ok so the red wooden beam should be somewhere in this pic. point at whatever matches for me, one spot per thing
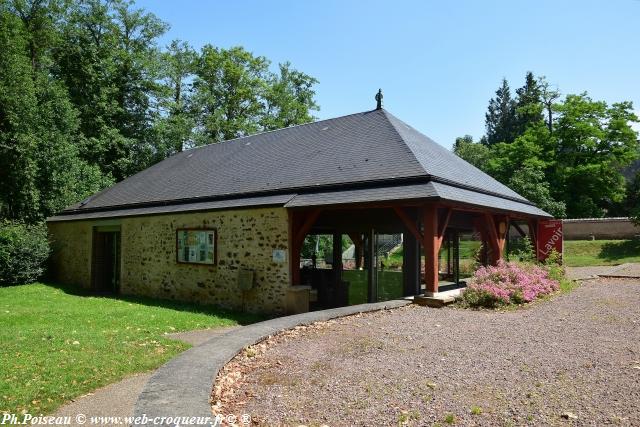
(502, 235)
(443, 226)
(492, 235)
(533, 232)
(430, 244)
(306, 226)
(482, 229)
(297, 233)
(409, 223)
(519, 229)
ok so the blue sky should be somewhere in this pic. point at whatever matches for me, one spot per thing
(438, 63)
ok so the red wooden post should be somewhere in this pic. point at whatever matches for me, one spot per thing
(297, 232)
(430, 244)
(502, 227)
(533, 233)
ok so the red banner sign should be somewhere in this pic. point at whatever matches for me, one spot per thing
(549, 238)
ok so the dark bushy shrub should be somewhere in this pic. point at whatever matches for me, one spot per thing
(23, 252)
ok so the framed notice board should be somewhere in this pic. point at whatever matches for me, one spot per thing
(196, 246)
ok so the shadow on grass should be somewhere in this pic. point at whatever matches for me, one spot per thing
(614, 251)
(242, 318)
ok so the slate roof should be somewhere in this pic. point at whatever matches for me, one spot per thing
(364, 151)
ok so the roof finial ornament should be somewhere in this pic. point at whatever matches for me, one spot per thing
(379, 99)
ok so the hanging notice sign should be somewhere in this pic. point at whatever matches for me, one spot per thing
(549, 238)
(196, 246)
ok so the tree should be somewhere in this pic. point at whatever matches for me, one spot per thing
(500, 119)
(594, 142)
(235, 95)
(175, 119)
(229, 85)
(633, 199)
(289, 98)
(41, 169)
(18, 112)
(528, 104)
(475, 153)
(530, 182)
(548, 97)
(109, 62)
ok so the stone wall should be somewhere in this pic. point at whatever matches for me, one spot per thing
(599, 228)
(70, 261)
(245, 239)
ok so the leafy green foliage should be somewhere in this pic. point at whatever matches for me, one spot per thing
(633, 199)
(41, 170)
(235, 94)
(88, 98)
(476, 154)
(500, 119)
(23, 252)
(567, 161)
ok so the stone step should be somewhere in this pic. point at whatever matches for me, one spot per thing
(436, 301)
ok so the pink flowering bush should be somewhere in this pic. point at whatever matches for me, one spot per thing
(508, 283)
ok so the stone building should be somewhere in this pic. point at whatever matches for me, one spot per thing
(225, 223)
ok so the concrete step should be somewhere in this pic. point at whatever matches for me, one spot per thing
(436, 301)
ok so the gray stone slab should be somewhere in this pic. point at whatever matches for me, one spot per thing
(182, 387)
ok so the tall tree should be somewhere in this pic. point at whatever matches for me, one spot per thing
(548, 96)
(289, 98)
(500, 119)
(235, 94)
(39, 135)
(528, 104)
(595, 141)
(633, 199)
(108, 60)
(175, 121)
(18, 113)
(229, 85)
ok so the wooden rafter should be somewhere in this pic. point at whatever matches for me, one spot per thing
(409, 223)
(306, 225)
(519, 229)
(442, 227)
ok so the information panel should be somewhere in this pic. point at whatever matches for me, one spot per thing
(549, 238)
(196, 246)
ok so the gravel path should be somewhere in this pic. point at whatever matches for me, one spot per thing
(577, 355)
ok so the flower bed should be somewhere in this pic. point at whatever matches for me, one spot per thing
(508, 283)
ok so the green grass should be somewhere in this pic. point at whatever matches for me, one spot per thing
(582, 253)
(57, 344)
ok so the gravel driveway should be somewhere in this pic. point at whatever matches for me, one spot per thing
(575, 356)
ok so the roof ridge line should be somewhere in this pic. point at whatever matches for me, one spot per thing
(404, 144)
(445, 180)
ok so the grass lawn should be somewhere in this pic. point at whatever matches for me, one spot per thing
(581, 253)
(57, 345)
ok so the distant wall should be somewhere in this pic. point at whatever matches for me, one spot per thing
(599, 228)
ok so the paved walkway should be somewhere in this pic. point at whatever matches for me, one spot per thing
(628, 270)
(181, 388)
(118, 399)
